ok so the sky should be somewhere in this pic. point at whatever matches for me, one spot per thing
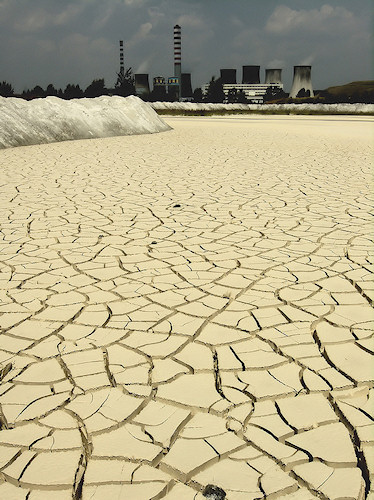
(76, 41)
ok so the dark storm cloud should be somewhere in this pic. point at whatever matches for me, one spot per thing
(75, 41)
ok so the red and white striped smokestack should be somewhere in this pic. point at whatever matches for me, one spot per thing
(178, 55)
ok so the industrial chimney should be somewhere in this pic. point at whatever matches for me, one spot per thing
(302, 82)
(141, 84)
(273, 76)
(186, 87)
(178, 56)
(228, 76)
(121, 63)
(251, 74)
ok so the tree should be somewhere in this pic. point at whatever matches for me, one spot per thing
(96, 88)
(198, 95)
(35, 93)
(6, 89)
(72, 92)
(236, 96)
(215, 91)
(303, 93)
(272, 93)
(125, 84)
(50, 90)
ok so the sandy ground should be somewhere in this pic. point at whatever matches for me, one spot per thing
(186, 309)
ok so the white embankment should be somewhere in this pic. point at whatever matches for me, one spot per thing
(291, 108)
(51, 119)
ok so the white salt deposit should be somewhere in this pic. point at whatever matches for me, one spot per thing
(51, 119)
(325, 108)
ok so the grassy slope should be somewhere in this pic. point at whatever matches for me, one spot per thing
(352, 88)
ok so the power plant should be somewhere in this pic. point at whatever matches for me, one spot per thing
(273, 76)
(251, 87)
(228, 76)
(142, 84)
(251, 75)
(302, 82)
(179, 86)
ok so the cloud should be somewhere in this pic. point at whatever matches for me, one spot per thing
(141, 35)
(144, 30)
(34, 19)
(85, 49)
(135, 3)
(236, 22)
(46, 47)
(75, 43)
(191, 21)
(156, 15)
(32, 22)
(103, 17)
(67, 16)
(285, 20)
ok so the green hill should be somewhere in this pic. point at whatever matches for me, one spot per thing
(363, 91)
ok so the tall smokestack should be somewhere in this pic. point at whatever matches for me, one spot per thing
(228, 76)
(302, 82)
(273, 76)
(178, 56)
(251, 74)
(121, 63)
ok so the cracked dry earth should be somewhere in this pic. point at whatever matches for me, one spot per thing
(187, 309)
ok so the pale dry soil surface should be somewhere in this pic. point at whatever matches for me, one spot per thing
(186, 309)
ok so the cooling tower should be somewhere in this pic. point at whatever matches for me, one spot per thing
(186, 87)
(302, 81)
(228, 76)
(178, 55)
(251, 74)
(141, 84)
(273, 76)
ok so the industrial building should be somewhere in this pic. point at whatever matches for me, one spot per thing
(176, 87)
(250, 85)
(179, 87)
(255, 91)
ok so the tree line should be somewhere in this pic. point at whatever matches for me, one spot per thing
(125, 86)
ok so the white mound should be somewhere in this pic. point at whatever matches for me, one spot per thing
(326, 108)
(52, 119)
